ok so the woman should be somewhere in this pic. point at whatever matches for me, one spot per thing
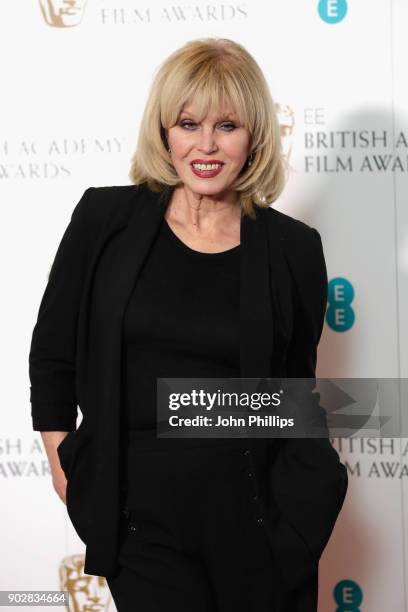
(188, 273)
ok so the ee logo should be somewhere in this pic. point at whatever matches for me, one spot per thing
(340, 315)
(332, 11)
(348, 595)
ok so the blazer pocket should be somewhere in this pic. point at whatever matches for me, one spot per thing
(293, 558)
(80, 506)
(68, 448)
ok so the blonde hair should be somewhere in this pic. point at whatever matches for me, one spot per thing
(212, 71)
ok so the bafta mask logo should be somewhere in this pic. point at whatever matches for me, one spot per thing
(286, 119)
(63, 13)
(86, 593)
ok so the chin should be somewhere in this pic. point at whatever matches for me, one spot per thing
(203, 186)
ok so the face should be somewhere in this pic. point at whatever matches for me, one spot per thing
(218, 139)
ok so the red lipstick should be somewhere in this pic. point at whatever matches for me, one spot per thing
(206, 173)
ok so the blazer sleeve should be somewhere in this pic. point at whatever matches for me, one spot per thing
(307, 480)
(52, 352)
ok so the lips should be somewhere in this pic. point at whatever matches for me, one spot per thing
(207, 161)
(207, 173)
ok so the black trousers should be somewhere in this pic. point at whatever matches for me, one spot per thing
(192, 535)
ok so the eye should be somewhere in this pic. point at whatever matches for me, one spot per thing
(187, 124)
(230, 125)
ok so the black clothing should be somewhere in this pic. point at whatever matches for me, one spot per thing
(192, 540)
(182, 320)
(75, 360)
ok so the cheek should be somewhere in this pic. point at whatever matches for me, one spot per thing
(179, 143)
(236, 148)
(180, 148)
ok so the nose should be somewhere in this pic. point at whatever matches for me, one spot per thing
(207, 142)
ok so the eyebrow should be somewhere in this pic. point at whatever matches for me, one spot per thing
(230, 116)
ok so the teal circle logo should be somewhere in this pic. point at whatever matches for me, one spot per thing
(332, 11)
(348, 595)
(340, 294)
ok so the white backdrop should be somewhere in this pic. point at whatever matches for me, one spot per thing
(73, 88)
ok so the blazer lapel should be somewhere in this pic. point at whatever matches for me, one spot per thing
(117, 275)
(256, 315)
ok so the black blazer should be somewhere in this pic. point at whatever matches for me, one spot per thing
(75, 359)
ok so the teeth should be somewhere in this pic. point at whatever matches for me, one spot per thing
(207, 166)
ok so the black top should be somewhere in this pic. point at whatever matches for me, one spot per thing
(182, 320)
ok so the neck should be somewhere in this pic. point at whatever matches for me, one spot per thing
(201, 211)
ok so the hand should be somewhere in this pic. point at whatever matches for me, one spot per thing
(52, 439)
(60, 484)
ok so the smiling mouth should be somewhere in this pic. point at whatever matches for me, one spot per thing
(206, 170)
(206, 166)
